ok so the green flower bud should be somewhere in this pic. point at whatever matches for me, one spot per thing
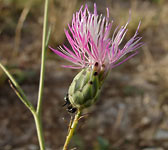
(85, 88)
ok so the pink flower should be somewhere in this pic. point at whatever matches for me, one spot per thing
(91, 44)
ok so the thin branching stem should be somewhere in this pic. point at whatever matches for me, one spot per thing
(39, 131)
(17, 89)
(44, 48)
(37, 115)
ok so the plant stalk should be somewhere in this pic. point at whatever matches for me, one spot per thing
(17, 89)
(72, 129)
(37, 115)
(43, 55)
(39, 130)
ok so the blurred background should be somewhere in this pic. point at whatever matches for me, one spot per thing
(132, 113)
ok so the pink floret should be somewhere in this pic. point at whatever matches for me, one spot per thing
(89, 38)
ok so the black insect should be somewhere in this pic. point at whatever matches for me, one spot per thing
(70, 108)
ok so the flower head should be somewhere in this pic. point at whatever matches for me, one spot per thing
(91, 44)
(94, 52)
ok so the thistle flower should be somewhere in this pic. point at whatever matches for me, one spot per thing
(94, 52)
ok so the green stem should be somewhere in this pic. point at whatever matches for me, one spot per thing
(37, 115)
(72, 129)
(18, 90)
(43, 55)
(38, 124)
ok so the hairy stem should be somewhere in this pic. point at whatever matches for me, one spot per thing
(72, 129)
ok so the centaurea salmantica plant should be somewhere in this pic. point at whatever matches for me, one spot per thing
(95, 53)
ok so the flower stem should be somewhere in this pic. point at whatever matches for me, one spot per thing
(18, 90)
(72, 129)
(40, 135)
(37, 114)
(43, 55)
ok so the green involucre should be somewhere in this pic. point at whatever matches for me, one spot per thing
(84, 89)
